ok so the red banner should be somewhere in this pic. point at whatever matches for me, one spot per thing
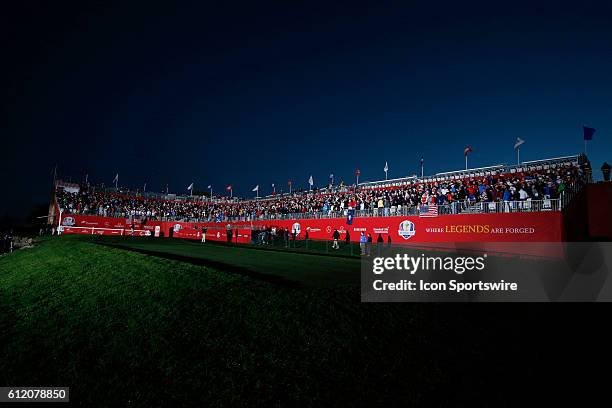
(505, 227)
(518, 227)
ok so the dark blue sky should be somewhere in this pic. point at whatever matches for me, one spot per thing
(254, 94)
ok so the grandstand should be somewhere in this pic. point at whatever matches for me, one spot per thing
(510, 202)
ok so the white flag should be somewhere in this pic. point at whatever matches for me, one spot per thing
(116, 179)
(209, 187)
(310, 180)
(386, 169)
(256, 188)
(272, 185)
(519, 142)
(190, 187)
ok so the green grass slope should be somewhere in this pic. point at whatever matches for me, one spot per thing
(124, 328)
(296, 266)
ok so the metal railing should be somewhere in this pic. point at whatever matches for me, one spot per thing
(544, 164)
(453, 208)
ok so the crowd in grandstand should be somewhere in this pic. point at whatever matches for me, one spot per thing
(541, 184)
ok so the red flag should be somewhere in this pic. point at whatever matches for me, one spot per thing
(467, 150)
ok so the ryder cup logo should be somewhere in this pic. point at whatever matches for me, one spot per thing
(296, 228)
(406, 229)
(68, 221)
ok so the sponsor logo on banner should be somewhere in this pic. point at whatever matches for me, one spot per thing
(310, 229)
(157, 230)
(384, 230)
(328, 229)
(297, 228)
(68, 221)
(406, 229)
(177, 227)
(84, 222)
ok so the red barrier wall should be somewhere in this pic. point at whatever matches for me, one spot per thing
(511, 227)
(86, 224)
(523, 227)
(599, 210)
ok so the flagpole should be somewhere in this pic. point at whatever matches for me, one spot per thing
(518, 156)
(466, 161)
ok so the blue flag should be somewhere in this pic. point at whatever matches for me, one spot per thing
(588, 133)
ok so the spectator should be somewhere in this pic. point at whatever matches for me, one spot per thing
(336, 237)
(362, 243)
(454, 195)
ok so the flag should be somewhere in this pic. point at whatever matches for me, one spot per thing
(518, 143)
(310, 181)
(190, 187)
(430, 210)
(229, 188)
(331, 177)
(256, 188)
(116, 179)
(467, 150)
(588, 132)
(272, 185)
(386, 169)
(209, 187)
(422, 160)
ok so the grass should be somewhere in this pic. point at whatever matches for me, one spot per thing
(307, 268)
(125, 328)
